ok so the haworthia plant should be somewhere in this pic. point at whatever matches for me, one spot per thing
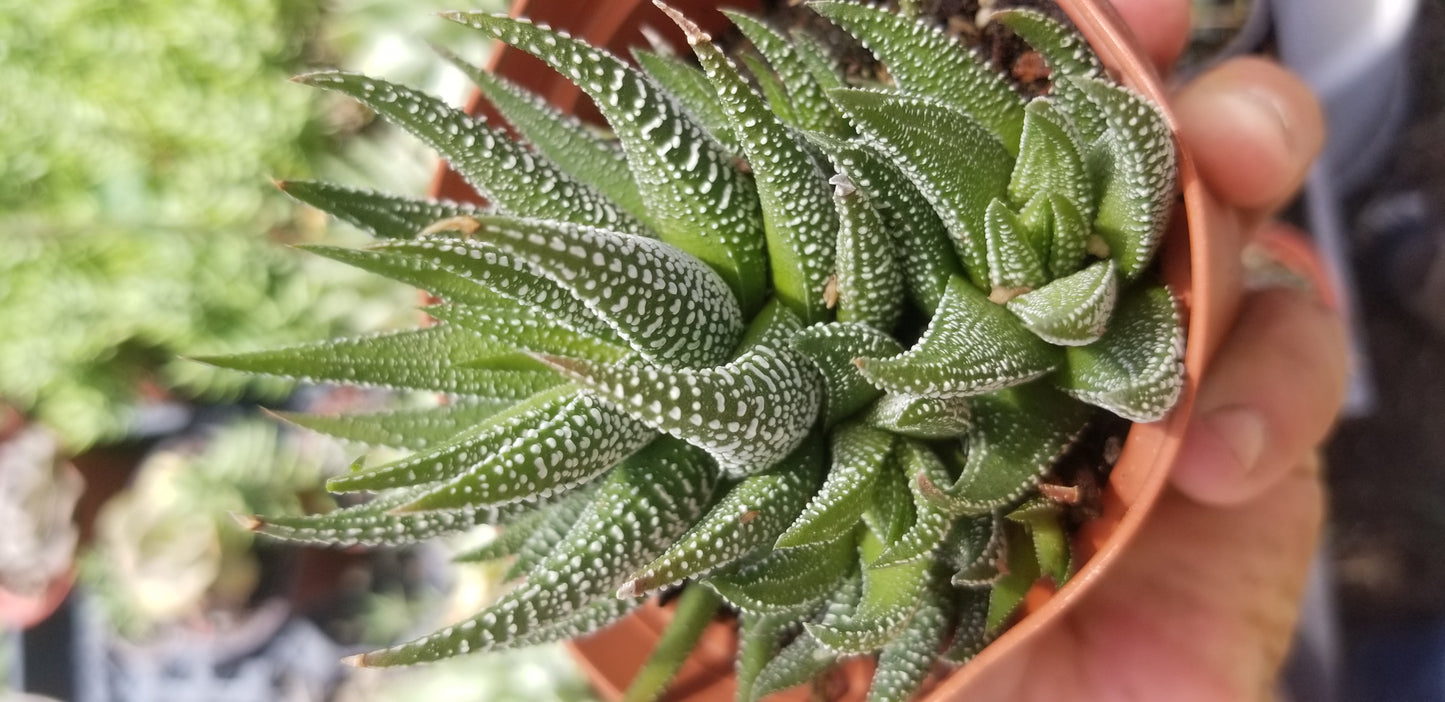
(801, 339)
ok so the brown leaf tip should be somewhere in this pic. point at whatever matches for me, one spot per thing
(694, 33)
(356, 661)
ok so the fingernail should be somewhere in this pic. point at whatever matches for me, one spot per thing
(1260, 110)
(1242, 429)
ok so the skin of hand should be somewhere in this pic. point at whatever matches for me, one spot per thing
(1203, 606)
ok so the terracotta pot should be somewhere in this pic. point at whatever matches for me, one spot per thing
(1199, 264)
(19, 611)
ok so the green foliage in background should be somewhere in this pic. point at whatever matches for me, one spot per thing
(137, 218)
(151, 112)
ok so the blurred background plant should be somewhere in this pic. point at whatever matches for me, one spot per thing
(138, 225)
(137, 221)
(166, 549)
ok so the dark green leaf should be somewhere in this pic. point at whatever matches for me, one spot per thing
(699, 202)
(925, 60)
(860, 452)
(511, 177)
(832, 348)
(1136, 370)
(958, 181)
(748, 518)
(423, 359)
(971, 347)
(380, 214)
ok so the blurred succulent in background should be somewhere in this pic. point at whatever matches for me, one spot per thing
(806, 352)
(38, 493)
(135, 218)
(166, 547)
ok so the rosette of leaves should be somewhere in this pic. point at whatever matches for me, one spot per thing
(799, 344)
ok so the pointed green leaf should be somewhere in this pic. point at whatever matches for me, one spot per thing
(890, 514)
(1065, 51)
(560, 517)
(860, 452)
(641, 507)
(382, 215)
(959, 181)
(513, 323)
(906, 661)
(749, 517)
(1136, 370)
(373, 524)
(748, 414)
(1056, 227)
(832, 349)
(1017, 435)
(693, 92)
(806, 658)
(572, 445)
(1019, 577)
(787, 578)
(564, 139)
(451, 458)
(692, 612)
(972, 347)
(417, 429)
(869, 277)
(925, 60)
(920, 240)
(700, 203)
(510, 176)
(1046, 529)
(411, 270)
(665, 304)
(971, 634)
(798, 217)
(890, 598)
(759, 640)
(421, 359)
(1051, 160)
(1139, 191)
(922, 417)
(931, 521)
(1071, 311)
(973, 544)
(805, 96)
(508, 275)
(1013, 264)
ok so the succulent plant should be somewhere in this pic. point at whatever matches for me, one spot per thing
(801, 343)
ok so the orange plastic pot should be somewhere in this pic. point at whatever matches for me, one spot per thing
(1200, 264)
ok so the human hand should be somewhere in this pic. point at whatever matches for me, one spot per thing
(1203, 604)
